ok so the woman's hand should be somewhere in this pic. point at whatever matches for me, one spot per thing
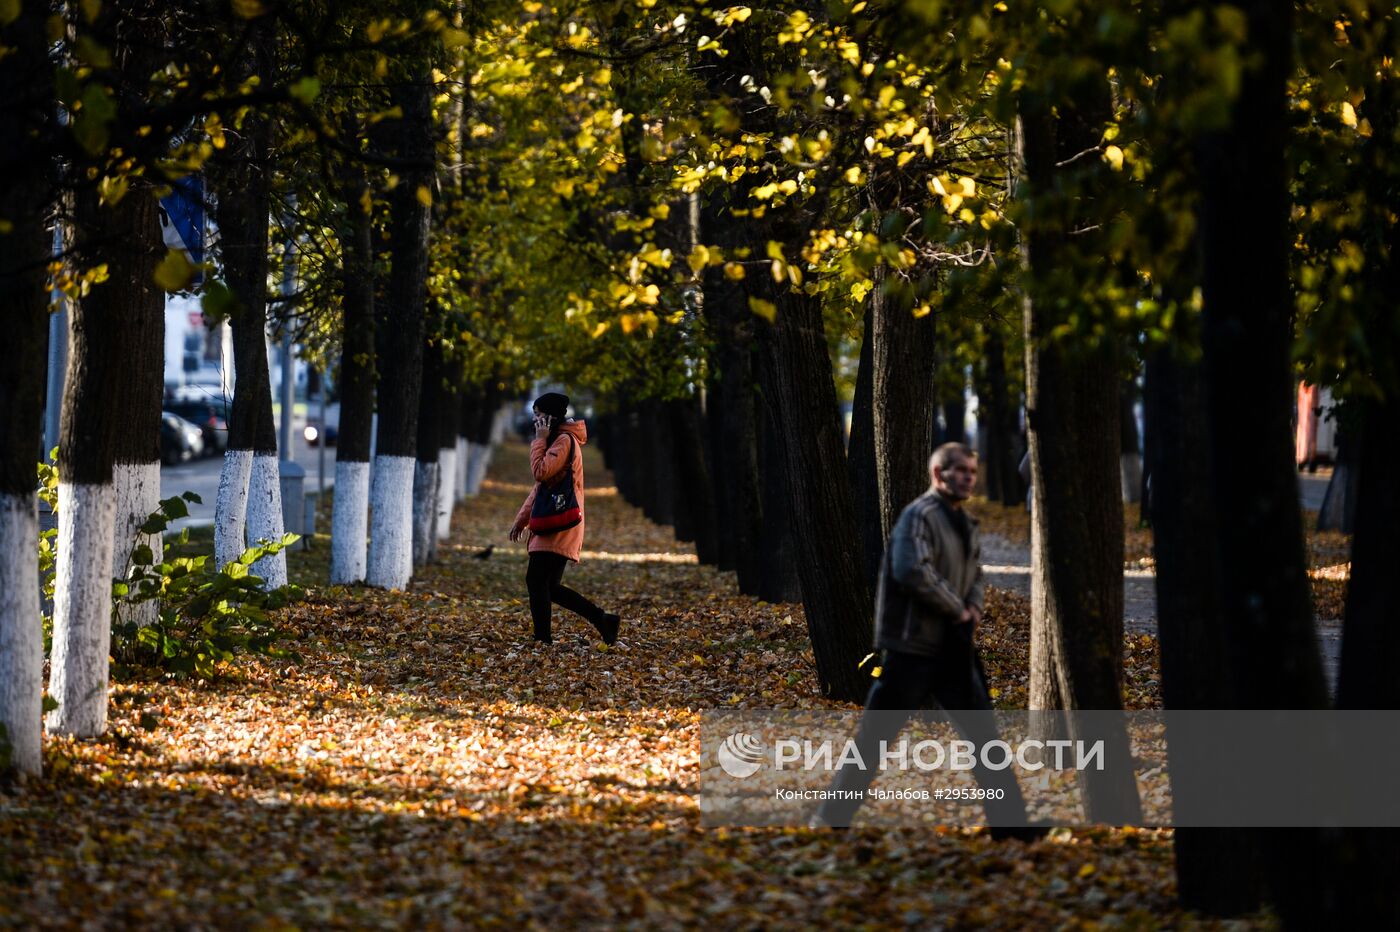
(542, 425)
(517, 531)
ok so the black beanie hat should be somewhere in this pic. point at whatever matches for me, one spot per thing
(553, 404)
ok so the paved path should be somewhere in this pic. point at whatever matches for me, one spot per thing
(1007, 565)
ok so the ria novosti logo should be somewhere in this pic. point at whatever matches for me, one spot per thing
(740, 755)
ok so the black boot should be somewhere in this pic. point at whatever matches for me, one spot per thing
(607, 626)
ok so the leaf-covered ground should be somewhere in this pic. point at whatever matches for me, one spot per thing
(427, 765)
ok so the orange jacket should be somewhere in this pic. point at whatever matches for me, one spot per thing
(547, 465)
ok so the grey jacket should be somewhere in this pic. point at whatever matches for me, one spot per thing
(927, 577)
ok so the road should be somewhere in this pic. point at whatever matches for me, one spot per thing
(202, 476)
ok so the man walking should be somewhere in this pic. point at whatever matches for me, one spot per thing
(927, 605)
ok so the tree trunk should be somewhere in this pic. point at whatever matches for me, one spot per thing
(778, 579)
(1247, 334)
(1077, 511)
(860, 459)
(140, 396)
(1338, 511)
(400, 340)
(24, 257)
(425, 473)
(1130, 459)
(249, 506)
(662, 460)
(447, 458)
(819, 509)
(1001, 423)
(902, 362)
(1247, 337)
(86, 452)
(1216, 868)
(350, 519)
(693, 479)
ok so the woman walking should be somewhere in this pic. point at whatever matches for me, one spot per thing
(555, 537)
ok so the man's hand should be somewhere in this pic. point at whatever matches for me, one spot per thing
(974, 614)
(517, 531)
(965, 617)
(542, 425)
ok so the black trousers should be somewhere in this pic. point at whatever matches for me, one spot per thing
(953, 678)
(544, 580)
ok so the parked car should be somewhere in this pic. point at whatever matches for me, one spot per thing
(180, 441)
(208, 417)
(313, 433)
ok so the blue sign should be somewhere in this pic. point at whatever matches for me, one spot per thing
(182, 217)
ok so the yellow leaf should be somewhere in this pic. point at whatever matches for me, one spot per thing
(969, 187)
(765, 309)
(1348, 114)
(733, 271)
(599, 330)
(366, 201)
(1086, 870)
(248, 9)
(425, 197)
(1114, 156)
(699, 257)
(111, 190)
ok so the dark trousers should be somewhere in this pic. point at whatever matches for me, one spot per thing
(543, 579)
(953, 678)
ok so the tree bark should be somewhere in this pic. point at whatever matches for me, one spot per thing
(249, 505)
(1216, 868)
(24, 255)
(1077, 511)
(1247, 338)
(778, 578)
(860, 459)
(820, 511)
(425, 474)
(350, 519)
(1000, 422)
(140, 395)
(86, 454)
(694, 485)
(902, 363)
(400, 340)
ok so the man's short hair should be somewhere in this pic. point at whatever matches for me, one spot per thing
(943, 457)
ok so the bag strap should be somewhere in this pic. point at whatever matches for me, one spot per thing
(570, 462)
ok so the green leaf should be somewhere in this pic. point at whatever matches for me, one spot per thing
(50, 703)
(174, 507)
(175, 271)
(192, 497)
(218, 302)
(306, 90)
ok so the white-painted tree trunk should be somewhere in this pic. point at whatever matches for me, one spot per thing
(391, 522)
(461, 479)
(21, 637)
(446, 497)
(498, 426)
(474, 450)
(82, 610)
(1130, 472)
(476, 472)
(231, 507)
(137, 489)
(424, 511)
(265, 517)
(350, 523)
